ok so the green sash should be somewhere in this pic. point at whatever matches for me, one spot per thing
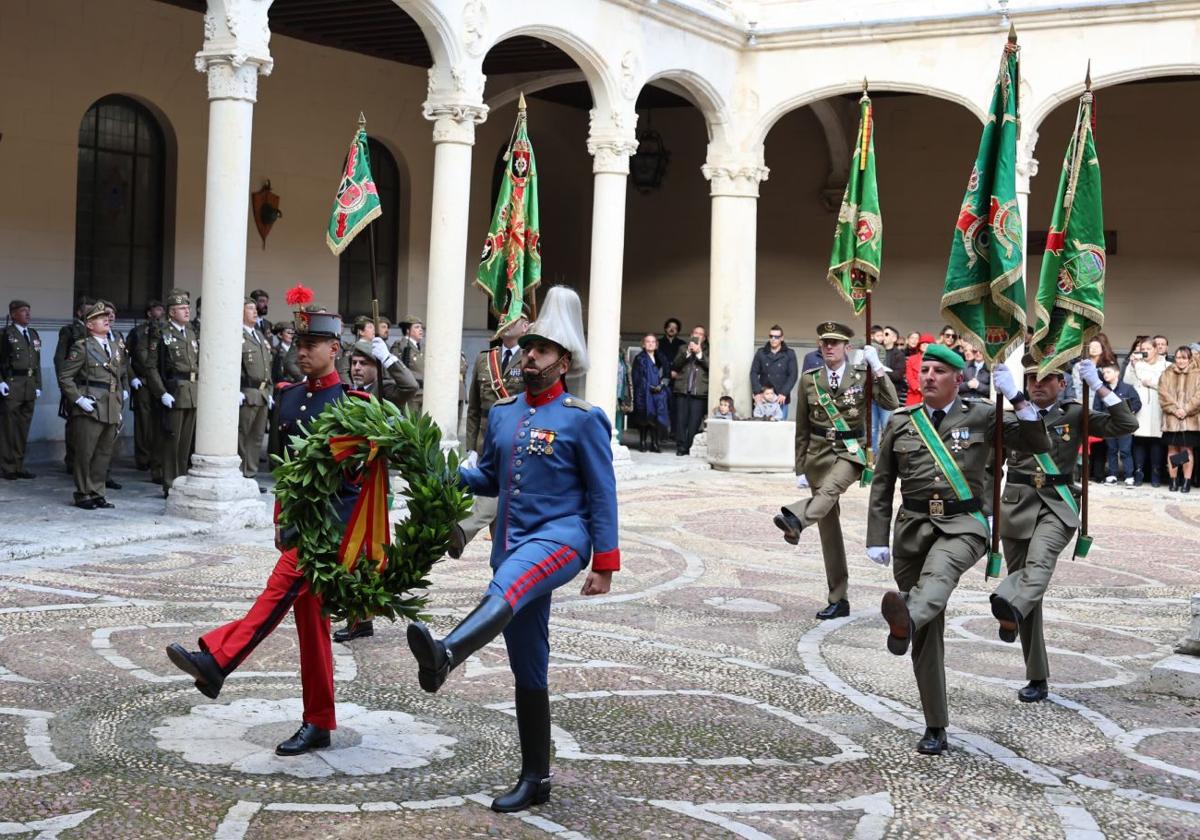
(943, 459)
(835, 417)
(1050, 468)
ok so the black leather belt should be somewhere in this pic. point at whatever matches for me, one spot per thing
(942, 507)
(1038, 480)
(834, 434)
(108, 386)
(25, 373)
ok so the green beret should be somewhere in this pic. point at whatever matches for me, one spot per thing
(942, 353)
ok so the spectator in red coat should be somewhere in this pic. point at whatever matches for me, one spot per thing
(912, 371)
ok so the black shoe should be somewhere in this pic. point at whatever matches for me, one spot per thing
(102, 502)
(1035, 692)
(533, 731)
(86, 504)
(841, 609)
(787, 522)
(25, 474)
(933, 742)
(200, 666)
(111, 485)
(900, 624)
(1171, 484)
(1184, 487)
(458, 541)
(1008, 616)
(262, 489)
(436, 659)
(166, 492)
(357, 630)
(308, 737)
(9, 476)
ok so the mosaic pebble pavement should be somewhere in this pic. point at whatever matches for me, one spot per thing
(699, 699)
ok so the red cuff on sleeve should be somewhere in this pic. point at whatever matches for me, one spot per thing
(607, 561)
(278, 510)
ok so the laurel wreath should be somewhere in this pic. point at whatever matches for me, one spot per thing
(307, 483)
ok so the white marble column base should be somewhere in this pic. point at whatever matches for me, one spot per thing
(215, 490)
(623, 464)
(1180, 674)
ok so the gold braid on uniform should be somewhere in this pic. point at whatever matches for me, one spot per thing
(309, 478)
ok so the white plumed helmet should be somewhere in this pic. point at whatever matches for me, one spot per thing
(561, 321)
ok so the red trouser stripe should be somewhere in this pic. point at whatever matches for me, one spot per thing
(538, 573)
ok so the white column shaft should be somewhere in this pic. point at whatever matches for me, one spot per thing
(447, 283)
(227, 191)
(604, 289)
(731, 298)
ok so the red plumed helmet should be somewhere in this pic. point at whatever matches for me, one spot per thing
(298, 295)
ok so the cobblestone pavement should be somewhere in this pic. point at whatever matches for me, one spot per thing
(699, 699)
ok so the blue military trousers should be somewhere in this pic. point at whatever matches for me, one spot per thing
(526, 578)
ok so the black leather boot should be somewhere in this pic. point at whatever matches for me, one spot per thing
(933, 742)
(1035, 692)
(838, 609)
(308, 737)
(357, 630)
(642, 439)
(1009, 617)
(458, 541)
(790, 524)
(200, 666)
(533, 729)
(436, 659)
(900, 623)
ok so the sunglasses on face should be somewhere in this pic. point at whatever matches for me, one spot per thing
(774, 336)
(949, 335)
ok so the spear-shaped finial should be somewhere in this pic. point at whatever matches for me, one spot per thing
(864, 85)
(1012, 33)
(1087, 79)
(521, 102)
(362, 120)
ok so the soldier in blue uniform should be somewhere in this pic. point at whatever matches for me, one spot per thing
(224, 649)
(547, 457)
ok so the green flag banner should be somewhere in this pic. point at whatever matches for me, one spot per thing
(858, 239)
(511, 264)
(1070, 295)
(985, 288)
(357, 202)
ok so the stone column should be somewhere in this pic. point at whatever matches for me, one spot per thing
(235, 52)
(1027, 168)
(610, 146)
(731, 338)
(453, 137)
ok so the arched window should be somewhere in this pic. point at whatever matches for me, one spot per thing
(354, 267)
(119, 205)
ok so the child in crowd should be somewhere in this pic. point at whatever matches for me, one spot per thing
(724, 410)
(1120, 449)
(767, 406)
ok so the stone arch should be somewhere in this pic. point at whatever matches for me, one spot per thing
(586, 57)
(764, 124)
(1104, 80)
(438, 31)
(533, 84)
(701, 93)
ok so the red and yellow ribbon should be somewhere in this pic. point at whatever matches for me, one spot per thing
(368, 526)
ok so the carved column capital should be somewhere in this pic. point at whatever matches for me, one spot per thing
(734, 177)
(454, 122)
(611, 140)
(235, 51)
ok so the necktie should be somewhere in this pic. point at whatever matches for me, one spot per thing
(507, 359)
(938, 417)
(834, 379)
(1043, 411)
(25, 334)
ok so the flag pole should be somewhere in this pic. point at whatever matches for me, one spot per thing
(362, 125)
(1087, 406)
(868, 392)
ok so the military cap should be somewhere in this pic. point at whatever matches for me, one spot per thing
(280, 326)
(257, 293)
(150, 304)
(14, 305)
(178, 297)
(942, 353)
(407, 321)
(314, 307)
(834, 331)
(383, 319)
(319, 324)
(363, 348)
(361, 321)
(96, 310)
(1030, 366)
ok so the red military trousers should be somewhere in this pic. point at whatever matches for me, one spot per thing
(286, 589)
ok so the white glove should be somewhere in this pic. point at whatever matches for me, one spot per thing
(3, 389)
(86, 403)
(991, 526)
(879, 554)
(124, 396)
(1089, 375)
(37, 393)
(1002, 378)
(270, 402)
(241, 399)
(871, 357)
(135, 383)
(472, 460)
(380, 351)
(168, 400)
(802, 481)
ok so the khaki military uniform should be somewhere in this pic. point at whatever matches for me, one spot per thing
(147, 420)
(413, 356)
(176, 372)
(490, 383)
(21, 370)
(67, 336)
(89, 370)
(1037, 524)
(931, 552)
(285, 367)
(256, 394)
(824, 457)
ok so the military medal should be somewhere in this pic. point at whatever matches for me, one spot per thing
(540, 442)
(958, 436)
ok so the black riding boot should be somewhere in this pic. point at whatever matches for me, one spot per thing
(533, 729)
(654, 439)
(436, 659)
(642, 439)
